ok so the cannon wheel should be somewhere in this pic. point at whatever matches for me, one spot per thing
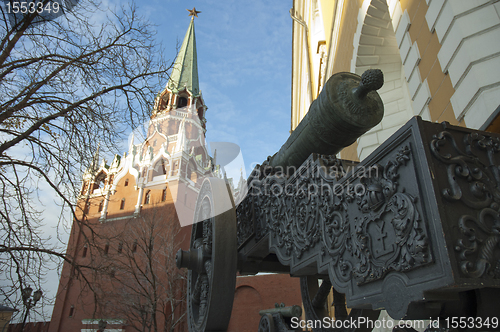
(266, 323)
(210, 290)
(314, 299)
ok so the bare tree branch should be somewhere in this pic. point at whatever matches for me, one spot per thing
(66, 85)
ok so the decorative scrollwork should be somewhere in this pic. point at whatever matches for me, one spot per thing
(244, 215)
(364, 230)
(473, 179)
(386, 232)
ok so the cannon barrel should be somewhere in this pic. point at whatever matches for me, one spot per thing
(347, 107)
(292, 311)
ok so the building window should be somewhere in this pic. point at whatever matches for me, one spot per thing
(122, 204)
(84, 252)
(71, 311)
(147, 199)
(164, 195)
(120, 247)
(126, 183)
(101, 205)
(134, 246)
(182, 102)
(100, 181)
(106, 248)
(154, 142)
(160, 168)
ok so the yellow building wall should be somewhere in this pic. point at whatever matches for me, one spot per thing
(425, 30)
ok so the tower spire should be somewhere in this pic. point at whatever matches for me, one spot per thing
(185, 70)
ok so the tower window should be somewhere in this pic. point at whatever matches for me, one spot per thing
(101, 205)
(182, 102)
(100, 181)
(120, 247)
(147, 199)
(164, 195)
(106, 249)
(71, 311)
(134, 246)
(160, 168)
(122, 204)
(126, 183)
(84, 251)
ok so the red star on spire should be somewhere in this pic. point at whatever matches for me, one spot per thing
(193, 12)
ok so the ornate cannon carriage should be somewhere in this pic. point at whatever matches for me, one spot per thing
(413, 229)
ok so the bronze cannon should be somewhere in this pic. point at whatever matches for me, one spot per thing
(413, 229)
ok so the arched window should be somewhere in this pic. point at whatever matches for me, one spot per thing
(160, 168)
(84, 252)
(126, 183)
(100, 181)
(182, 102)
(122, 204)
(164, 101)
(147, 198)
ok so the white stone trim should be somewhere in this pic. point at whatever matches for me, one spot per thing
(377, 47)
(465, 27)
(470, 53)
(478, 80)
(422, 99)
(404, 48)
(403, 27)
(481, 108)
(361, 18)
(412, 61)
(396, 12)
(433, 13)
(473, 51)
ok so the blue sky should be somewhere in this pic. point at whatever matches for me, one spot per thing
(244, 65)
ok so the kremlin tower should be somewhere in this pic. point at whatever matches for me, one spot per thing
(135, 213)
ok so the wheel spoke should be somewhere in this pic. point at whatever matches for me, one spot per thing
(339, 305)
(320, 299)
(314, 299)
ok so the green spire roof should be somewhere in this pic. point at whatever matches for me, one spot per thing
(185, 71)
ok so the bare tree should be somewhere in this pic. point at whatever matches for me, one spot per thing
(66, 85)
(138, 279)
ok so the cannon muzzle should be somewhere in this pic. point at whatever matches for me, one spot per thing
(292, 311)
(347, 107)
